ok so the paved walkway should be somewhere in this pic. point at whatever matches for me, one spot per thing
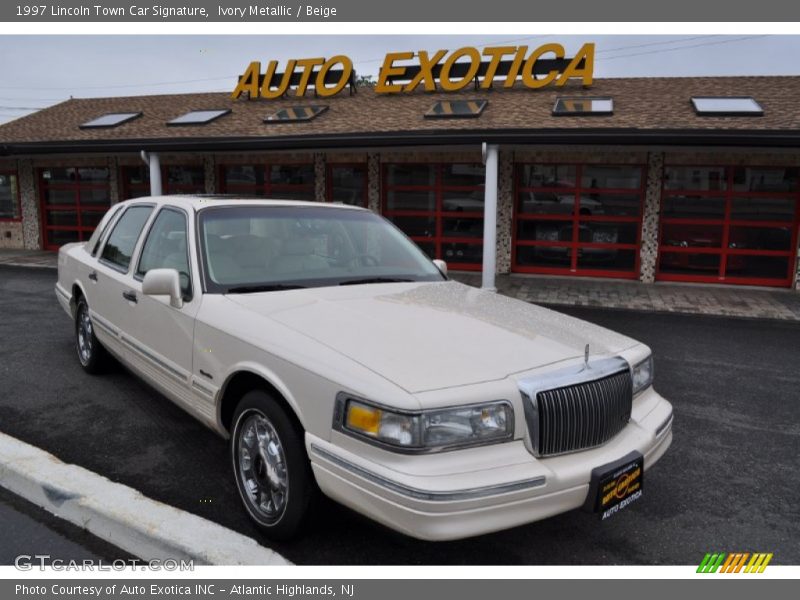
(731, 301)
(28, 258)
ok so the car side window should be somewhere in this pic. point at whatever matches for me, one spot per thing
(166, 247)
(97, 236)
(119, 247)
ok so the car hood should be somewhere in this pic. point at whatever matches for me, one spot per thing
(427, 336)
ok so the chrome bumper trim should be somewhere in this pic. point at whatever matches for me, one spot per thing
(417, 494)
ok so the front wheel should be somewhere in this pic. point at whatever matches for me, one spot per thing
(91, 353)
(271, 467)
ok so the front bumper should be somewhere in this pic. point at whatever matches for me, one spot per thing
(470, 492)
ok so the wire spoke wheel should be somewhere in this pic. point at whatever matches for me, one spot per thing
(263, 470)
(270, 465)
(84, 335)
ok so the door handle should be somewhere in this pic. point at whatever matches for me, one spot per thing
(93, 276)
(130, 297)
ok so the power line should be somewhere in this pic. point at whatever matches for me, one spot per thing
(679, 41)
(497, 43)
(22, 107)
(741, 39)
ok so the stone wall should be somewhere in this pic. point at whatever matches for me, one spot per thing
(320, 175)
(29, 198)
(374, 182)
(210, 168)
(505, 210)
(11, 234)
(648, 253)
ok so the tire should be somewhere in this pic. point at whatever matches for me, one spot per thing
(91, 354)
(271, 467)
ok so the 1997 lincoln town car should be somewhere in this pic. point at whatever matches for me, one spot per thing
(337, 357)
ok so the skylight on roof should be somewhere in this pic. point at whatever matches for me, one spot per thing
(296, 113)
(111, 120)
(199, 117)
(730, 106)
(454, 109)
(583, 106)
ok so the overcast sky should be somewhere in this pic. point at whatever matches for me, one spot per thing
(39, 71)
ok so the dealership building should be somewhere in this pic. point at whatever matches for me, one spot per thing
(651, 179)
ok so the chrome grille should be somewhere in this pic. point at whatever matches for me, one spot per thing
(582, 415)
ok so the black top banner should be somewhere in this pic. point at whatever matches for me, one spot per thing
(176, 11)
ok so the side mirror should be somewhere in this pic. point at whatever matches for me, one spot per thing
(441, 265)
(164, 282)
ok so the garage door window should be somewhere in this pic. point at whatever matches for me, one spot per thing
(73, 201)
(347, 184)
(578, 219)
(440, 207)
(175, 179)
(729, 224)
(278, 181)
(9, 197)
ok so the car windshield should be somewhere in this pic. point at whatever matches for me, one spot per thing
(267, 248)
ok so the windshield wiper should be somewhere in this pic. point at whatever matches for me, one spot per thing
(271, 287)
(374, 280)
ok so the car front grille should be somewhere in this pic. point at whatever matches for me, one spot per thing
(582, 415)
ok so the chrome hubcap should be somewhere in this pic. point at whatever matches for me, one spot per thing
(263, 472)
(84, 336)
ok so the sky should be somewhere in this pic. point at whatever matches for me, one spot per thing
(39, 71)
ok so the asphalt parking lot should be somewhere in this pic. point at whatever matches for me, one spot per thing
(729, 483)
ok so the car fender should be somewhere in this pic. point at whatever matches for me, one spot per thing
(264, 373)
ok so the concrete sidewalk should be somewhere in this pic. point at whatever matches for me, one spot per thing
(722, 300)
(696, 299)
(28, 258)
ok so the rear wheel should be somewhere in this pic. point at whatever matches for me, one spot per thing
(91, 353)
(272, 471)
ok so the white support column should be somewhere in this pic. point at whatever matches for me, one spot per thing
(490, 154)
(155, 172)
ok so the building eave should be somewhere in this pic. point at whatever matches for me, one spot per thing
(624, 137)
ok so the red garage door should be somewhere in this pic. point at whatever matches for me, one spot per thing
(440, 207)
(74, 199)
(729, 224)
(582, 219)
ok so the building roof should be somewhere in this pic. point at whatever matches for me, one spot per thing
(646, 110)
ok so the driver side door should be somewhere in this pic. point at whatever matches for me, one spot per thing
(163, 334)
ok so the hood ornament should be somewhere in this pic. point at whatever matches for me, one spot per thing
(586, 356)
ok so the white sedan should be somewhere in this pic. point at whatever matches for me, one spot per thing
(337, 357)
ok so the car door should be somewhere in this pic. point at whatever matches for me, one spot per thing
(163, 335)
(113, 296)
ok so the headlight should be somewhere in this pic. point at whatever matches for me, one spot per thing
(427, 430)
(643, 375)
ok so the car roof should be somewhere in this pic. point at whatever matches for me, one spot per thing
(197, 202)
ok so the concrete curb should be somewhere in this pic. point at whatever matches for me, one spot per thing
(121, 515)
